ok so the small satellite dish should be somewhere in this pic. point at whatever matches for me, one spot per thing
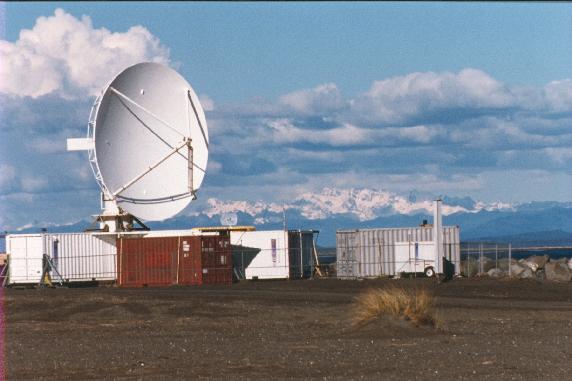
(228, 219)
(148, 142)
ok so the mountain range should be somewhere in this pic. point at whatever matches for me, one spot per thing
(333, 209)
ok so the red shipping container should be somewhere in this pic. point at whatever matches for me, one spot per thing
(165, 261)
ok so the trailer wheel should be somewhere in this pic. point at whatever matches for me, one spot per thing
(429, 272)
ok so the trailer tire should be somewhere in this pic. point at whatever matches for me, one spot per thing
(429, 272)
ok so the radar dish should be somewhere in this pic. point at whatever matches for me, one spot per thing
(150, 141)
(228, 219)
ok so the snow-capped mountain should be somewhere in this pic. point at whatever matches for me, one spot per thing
(332, 209)
(362, 204)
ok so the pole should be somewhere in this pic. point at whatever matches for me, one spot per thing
(301, 258)
(468, 267)
(481, 267)
(509, 260)
(438, 236)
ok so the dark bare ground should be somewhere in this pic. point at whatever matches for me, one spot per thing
(490, 329)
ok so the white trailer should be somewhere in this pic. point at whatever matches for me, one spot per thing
(415, 257)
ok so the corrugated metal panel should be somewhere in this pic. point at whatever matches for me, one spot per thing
(165, 261)
(80, 257)
(345, 254)
(147, 261)
(371, 252)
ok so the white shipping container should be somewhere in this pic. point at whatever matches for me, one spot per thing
(81, 257)
(77, 257)
(369, 253)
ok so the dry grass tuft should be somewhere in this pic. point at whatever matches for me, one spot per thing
(414, 305)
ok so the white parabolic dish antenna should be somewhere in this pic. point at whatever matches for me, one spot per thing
(148, 142)
(229, 219)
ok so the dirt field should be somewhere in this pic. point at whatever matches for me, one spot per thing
(288, 329)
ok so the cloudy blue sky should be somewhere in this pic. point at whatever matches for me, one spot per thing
(469, 99)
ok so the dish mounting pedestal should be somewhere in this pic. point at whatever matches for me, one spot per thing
(114, 219)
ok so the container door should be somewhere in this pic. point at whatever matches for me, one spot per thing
(216, 260)
(148, 261)
(295, 255)
(190, 261)
(223, 261)
(404, 257)
(26, 254)
(208, 265)
(307, 254)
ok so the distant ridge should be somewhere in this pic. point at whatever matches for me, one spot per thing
(333, 209)
(541, 238)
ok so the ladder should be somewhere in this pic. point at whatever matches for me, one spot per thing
(47, 267)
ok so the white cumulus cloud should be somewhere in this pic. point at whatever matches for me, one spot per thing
(395, 99)
(68, 56)
(559, 95)
(322, 99)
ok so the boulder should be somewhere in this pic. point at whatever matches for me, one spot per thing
(517, 268)
(558, 272)
(531, 265)
(536, 262)
(496, 273)
(541, 274)
(475, 264)
(570, 264)
(527, 273)
(560, 260)
(488, 264)
(503, 264)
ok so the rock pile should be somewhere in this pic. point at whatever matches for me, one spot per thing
(558, 271)
(536, 266)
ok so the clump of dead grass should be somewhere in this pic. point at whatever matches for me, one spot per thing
(413, 305)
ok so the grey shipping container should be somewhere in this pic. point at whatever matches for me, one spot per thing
(368, 253)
